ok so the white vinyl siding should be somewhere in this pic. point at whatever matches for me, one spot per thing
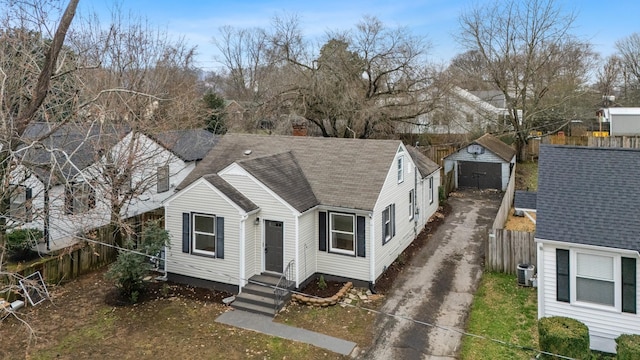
(605, 323)
(394, 193)
(308, 247)
(271, 208)
(200, 198)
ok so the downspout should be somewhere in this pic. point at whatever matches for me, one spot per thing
(297, 248)
(415, 197)
(372, 269)
(241, 280)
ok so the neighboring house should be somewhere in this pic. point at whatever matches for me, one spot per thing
(462, 113)
(61, 183)
(623, 121)
(338, 207)
(484, 163)
(588, 238)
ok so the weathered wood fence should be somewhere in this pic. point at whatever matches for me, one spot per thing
(505, 249)
(631, 142)
(70, 263)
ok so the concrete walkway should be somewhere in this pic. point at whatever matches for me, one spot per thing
(265, 325)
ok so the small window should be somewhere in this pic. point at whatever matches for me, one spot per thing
(342, 227)
(204, 234)
(431, 190)
(79, 198)
(20, 206)
(400, 169)
(163, 178)
(411, 204)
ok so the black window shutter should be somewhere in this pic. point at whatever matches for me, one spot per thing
(384, 236)
(220, 237)
(629, 285)
(360, 236)
(562, 275)
(186, 232)
(322, 231)
(393, 220)
(27, 206)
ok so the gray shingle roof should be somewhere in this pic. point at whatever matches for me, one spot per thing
(425, 165)
(589, 196)
(188, 145)
(68, 150)
(282, 174)
(346, 173)
(231, 192)
(504, 151)
(525, 199)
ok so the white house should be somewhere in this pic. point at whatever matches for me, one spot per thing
(462, 113)
(301, 205)
(60, 185)
(623, 121)
(588, 238)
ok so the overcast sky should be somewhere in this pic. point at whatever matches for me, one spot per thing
(601, 22)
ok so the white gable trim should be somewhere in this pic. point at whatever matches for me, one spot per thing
(177, 195)
(237, 169)
(564, 244)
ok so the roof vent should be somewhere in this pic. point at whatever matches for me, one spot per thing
(247, 152)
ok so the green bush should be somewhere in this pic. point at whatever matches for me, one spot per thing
(628, 347)
(564, 336)
(442, 197)
(130, 268)
(20, 242)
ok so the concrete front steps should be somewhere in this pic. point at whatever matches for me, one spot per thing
(259, 297)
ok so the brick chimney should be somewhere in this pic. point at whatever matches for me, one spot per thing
(300, 129)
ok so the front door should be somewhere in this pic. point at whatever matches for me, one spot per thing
(273, 239)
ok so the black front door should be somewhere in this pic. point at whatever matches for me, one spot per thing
(273, 239)
(479, 175)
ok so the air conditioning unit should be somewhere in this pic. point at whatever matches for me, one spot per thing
(525, 272)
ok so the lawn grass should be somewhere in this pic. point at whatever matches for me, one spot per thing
(504, 311)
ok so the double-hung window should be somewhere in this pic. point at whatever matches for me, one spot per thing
(400, 164)
(388, 223)
(204, 234)
(431, 190)
(79, 198)
(342, 233)
(411, 204)
(597, 279)
(162, 178)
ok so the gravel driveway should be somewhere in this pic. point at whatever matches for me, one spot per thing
(438, 286)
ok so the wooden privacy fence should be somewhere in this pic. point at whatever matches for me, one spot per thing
(74, 261)
(631, 142)
(437, 153)
(505, 249)
(507, 201)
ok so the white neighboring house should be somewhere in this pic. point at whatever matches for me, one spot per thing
(623, 121)
(462, 113)
(61, 188)
(588, 238)
(310, 205)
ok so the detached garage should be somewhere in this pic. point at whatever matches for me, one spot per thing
(484, 163)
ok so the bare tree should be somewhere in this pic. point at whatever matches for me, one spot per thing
(629, 53)
(532, 58)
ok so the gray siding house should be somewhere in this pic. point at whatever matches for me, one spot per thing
(339, 207)
(588, 238)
